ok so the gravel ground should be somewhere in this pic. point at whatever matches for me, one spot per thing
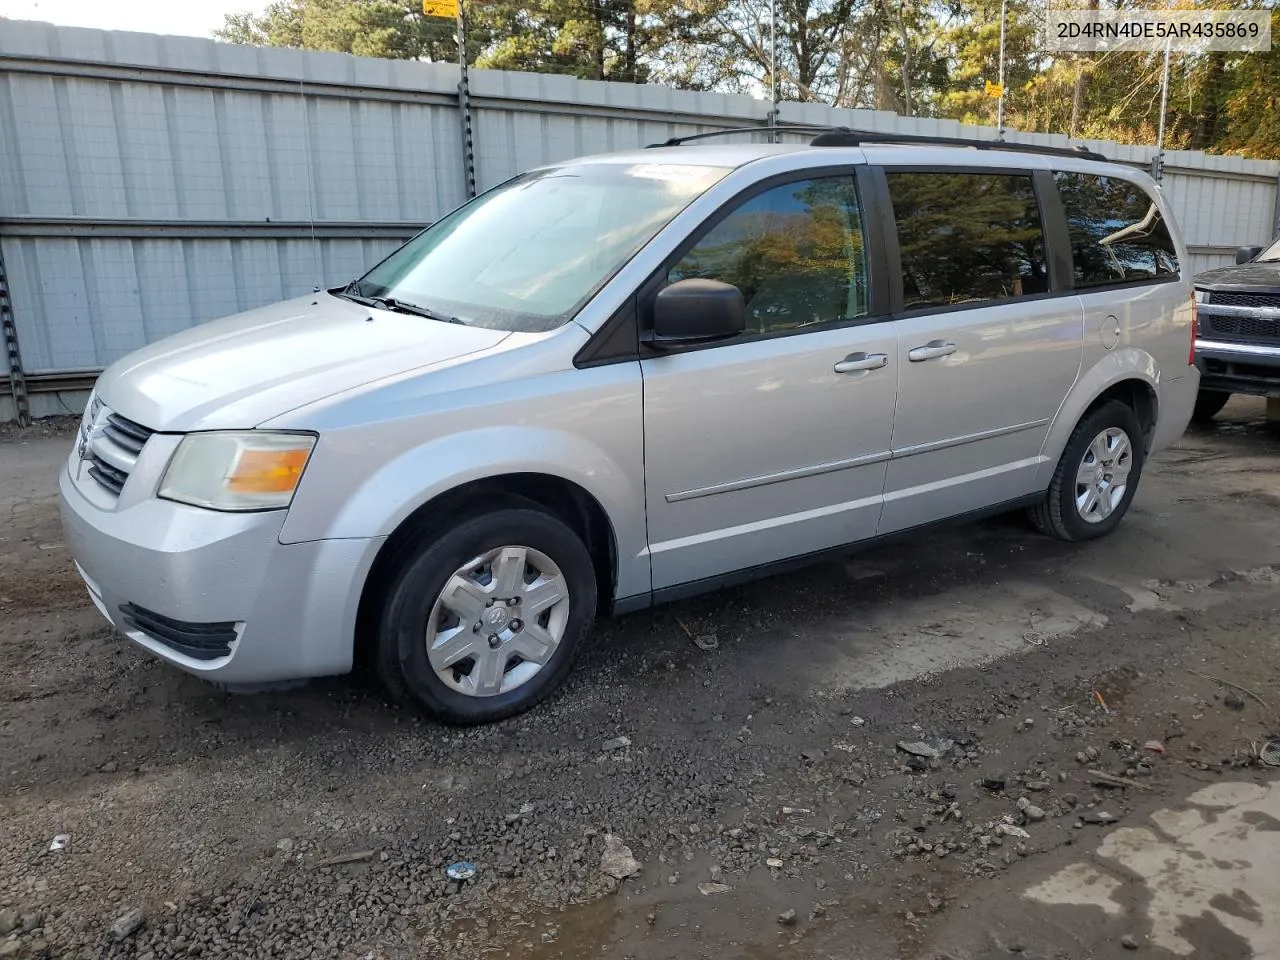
(848, 771)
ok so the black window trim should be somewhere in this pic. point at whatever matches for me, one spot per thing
(616, 341)
(1117, 284)
(612, 343)
(620, 338)
(871, 242)
(1053, 223)
(1054, 261)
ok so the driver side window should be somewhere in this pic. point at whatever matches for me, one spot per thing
(795, 251)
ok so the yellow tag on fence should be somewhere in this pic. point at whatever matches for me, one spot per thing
(440, 8)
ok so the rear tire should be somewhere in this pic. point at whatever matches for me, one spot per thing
(520, 599)
(1208, 405)
(1096, 478)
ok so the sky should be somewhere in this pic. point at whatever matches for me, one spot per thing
(194, 18)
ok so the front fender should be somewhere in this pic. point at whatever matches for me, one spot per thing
(1128, 363)
(386, 497)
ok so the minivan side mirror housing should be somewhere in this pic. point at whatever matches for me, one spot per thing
(1246, 254)
(697, 311)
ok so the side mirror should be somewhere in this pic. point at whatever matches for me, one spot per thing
(1246, 254)
(698, 311)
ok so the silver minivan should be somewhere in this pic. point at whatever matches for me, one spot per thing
(626, 379)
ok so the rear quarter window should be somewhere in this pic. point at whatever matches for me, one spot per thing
(1117, 232)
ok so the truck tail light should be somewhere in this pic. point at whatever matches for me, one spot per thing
(1195, 331)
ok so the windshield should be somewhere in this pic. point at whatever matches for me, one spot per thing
(1271, 253)
(527, 255)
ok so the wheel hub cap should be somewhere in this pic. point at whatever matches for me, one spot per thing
(1103, 475)
(498, 621)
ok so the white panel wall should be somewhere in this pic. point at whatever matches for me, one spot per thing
(150, 183)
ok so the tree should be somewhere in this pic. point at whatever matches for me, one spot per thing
(852, 53)
(1252, 102)
(915, 57)
(622, 40)
(394, 29)
(279, 25)
(971, 49)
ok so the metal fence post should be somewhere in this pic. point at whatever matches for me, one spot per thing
(1000, 102)
(464, 105)
(773, 70)
(1157, 162)
(1275, 226)
(9, 334)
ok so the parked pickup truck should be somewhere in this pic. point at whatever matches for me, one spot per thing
(1238, 347)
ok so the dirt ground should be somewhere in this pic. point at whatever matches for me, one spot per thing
(763, 790)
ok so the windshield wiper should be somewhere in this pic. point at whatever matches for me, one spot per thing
(352, 292)
(403, 306)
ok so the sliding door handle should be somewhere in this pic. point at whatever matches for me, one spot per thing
(931, 351)
(862, 361)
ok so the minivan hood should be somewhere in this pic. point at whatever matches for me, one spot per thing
(1251, 277)
(237, 372)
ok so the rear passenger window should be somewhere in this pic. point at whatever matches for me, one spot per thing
(1117, 232)
(794, 251)
(967, 238)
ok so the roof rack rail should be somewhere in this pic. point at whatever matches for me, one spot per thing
(729, 131)
(844, 137)
(847, 137)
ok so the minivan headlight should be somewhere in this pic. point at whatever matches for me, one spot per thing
(237, 471)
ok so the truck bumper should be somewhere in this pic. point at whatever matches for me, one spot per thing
(1239, 367)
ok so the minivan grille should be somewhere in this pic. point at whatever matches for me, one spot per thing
(108, 476)
(127, 434)
(110, 445)
(1229, 299)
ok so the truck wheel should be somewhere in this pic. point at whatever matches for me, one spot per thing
(1096, 478)
(1208, 403)
(485, 620)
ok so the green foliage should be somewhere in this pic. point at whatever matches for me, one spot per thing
(393, 29)
(1251, 105)
(972, 44)
(911, 56)
(591, 39)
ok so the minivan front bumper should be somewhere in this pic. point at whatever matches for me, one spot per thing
(217, 594)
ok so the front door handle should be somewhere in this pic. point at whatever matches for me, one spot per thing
(862, 361)
(931, 351)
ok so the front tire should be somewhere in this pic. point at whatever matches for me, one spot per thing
(1096, 478)
(485, 620)
(1208, 404)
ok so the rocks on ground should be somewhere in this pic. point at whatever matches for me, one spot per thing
(617, 861)
(128, 923)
